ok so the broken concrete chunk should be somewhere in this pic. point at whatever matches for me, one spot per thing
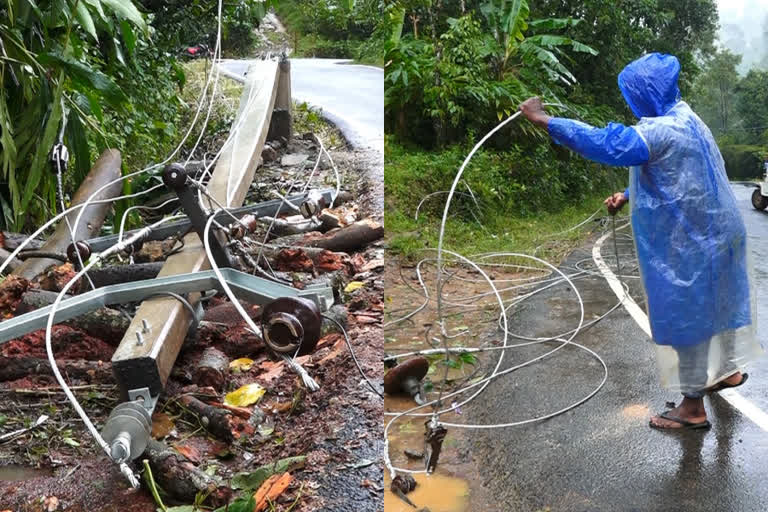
(268, 154)
(293, 159)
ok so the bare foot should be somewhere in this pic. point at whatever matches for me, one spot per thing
(737, 379)
(691, 410)
(734, 379)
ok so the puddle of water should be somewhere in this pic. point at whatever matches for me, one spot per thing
(18, 473)
(438, 493)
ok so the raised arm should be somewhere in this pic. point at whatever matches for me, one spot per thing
(615, 144)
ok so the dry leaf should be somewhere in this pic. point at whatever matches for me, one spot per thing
(243, 364)
(244, 396)
(271, 490)
(162, 425)
(188, 451)
(51, 503)
(353, 285)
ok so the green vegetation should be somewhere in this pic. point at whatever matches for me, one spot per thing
(102, 73)
(522, 198)
(736, 110)
(339, 29)
(455, 69)
(743, 162)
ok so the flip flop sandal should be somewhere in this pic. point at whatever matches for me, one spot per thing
(724, 385)
(686, 425)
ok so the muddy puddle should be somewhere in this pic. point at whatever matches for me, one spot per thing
(437, 492)
(471, 316)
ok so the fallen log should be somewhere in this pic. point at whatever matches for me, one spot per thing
(212, 369)
(10, 241)
(106, 169)
(104, 323)
(216, 421)
(347, 239)
(117, 274)
(12, 368)
(14, 264)
(297, 224)
(181, 478)
(302, 259)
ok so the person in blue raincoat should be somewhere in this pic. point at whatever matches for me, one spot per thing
(690, 237)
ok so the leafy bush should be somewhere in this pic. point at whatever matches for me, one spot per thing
(522, 180)
(181, 23)
(58, 77)
(743, 162)
(475, 69)
(342, 29)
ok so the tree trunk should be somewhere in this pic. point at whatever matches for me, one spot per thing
(180, 477)
(12, 368)
(349, 238)
(104, 323)
(106, 169)
(212, 369)
(215, 420)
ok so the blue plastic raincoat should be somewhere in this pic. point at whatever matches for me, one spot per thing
(689, 234)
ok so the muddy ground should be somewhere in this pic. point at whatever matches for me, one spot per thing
(57, 466)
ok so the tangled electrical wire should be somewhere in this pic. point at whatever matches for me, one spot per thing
(538, 275)
(212, 79)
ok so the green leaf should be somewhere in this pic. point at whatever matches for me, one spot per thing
(553, 23)
(71, 442)
(41, 154)
(85, 20)
(77, 140)
(253, 480)
(126, 10)
(245, 504)
(86, 77)
(97, 5)
(182, 508)
(129, 37)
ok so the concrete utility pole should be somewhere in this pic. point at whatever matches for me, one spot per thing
(162, 323)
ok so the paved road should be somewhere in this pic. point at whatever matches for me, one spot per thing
(603, 456)
(351, 96)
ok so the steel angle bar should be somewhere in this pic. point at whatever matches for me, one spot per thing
(265, 209)
(251, 288)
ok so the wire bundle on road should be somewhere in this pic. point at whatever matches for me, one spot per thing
(448, 267)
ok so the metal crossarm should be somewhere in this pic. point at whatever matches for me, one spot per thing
(250, 288)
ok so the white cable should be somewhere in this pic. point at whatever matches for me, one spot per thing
(137, 207)
(309, 382)
(49, 343)
(482, 384)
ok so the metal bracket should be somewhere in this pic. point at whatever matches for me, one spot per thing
(144, 397)
(176, 179)
(265, 209)
(251, 288)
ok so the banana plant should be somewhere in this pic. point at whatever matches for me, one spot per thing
(55, 63)
(510, 27)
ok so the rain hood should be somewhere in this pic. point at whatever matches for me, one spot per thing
(649, 84)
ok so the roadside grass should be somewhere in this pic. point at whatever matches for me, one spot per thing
(500, 232)
(519, 204)
(307, 119)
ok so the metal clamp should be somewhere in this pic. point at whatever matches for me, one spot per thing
(433, 444)
(176, 179)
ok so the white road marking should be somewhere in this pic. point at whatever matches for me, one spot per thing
(733, 397)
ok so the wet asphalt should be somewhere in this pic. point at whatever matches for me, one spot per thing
(602, 456)
(350, 96)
